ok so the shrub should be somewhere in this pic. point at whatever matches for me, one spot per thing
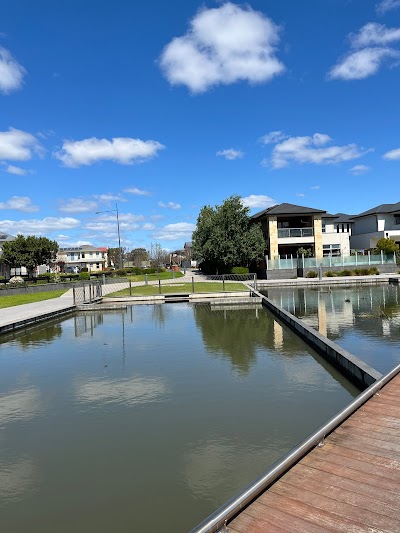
(329, 274)
(312, 274)
(84, 275)
(347, 272)
(239, 270)
(120, 272)
(84, 269)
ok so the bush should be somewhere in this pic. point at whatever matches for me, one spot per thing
(329, 274)
(84, 275)
(312, 274)
(239, 270)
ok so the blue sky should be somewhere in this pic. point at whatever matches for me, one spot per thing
(163, 107)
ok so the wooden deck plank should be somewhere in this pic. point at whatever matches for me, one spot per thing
(341, 509)
(342, 495)
(351, 484)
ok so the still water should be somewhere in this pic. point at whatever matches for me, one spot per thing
(365, 320)
(147, 419)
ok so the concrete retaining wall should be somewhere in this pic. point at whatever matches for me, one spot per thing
(283, 273)
(351, 366)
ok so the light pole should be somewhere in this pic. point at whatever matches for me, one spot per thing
(115, 211)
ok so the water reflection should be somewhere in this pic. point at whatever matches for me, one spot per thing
(34, 336)
(19, 405)
(138, 390)
(351, 316)
(240, 333)
(17, 478)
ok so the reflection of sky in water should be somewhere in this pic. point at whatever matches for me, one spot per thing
(132, 391)
(208, 465)
(17, 478)
(19, 405)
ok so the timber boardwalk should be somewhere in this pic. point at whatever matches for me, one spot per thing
(351, 484)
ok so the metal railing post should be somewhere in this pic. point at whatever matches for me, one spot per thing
(193, 285)
(369, 257)
(382, 257)
(159, 286)
(223, 282)
(74, 295)
(130, 287)
(146, 279)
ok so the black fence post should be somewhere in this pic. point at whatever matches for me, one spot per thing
(193, 285)
(159, 286)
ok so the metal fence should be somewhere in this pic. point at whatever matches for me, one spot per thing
(87, 292)
(357, 260)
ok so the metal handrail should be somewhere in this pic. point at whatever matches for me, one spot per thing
(295, 232)
(220, 517)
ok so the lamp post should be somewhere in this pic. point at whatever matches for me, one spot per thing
(115, 211)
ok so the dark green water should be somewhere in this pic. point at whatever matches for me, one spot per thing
(365, 320)
(148, 419)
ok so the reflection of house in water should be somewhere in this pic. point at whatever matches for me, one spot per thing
(371, 309)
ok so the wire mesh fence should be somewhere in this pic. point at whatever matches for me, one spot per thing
(87, 292)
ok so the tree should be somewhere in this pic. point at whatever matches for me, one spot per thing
(29, 252)
(138, 256)
(387, 246)
(114, 258)
(158, 256)
(225, 237)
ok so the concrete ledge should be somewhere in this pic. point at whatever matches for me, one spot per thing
(19, 324)
(197, 296)
(351, 366)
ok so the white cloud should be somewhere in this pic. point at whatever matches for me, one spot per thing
(34, 226)
(230, 154)
(312, 149)
(122, 150)
(148, 226)
(107, 224)
(315, 187)
(17, 145)
(387, 5)
(300, 194)
(273, 137)
(138, 192)
(357, 170)
(17, 171)
(78, 205)
(172, 232)
(19, 203)
(374, 34)
(222, 46)
(11, 72)
(372, 50)
(169, 205)
(109, 198)
(258, 200)
(392, 155)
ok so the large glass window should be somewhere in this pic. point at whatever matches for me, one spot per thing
(397, 219)
(331, 249)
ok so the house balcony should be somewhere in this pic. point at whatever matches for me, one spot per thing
(285, 233)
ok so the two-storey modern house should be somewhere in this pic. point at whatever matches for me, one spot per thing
(370, 226)
(84, 256)
(288, 227)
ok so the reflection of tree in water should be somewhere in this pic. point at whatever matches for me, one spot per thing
(38, 336)
(160, 313)
(235, 334)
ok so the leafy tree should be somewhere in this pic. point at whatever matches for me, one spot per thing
(137, 256)
(113, 255)
(225, 236)
(387, 246)
(29, 252)
(307, 252)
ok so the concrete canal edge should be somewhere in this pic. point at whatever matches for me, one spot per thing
(348, 364)
(32, 320)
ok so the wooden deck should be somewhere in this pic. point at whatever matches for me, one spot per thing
(351, 484)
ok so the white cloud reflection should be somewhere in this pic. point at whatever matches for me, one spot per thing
(131, 391)
(19, 405)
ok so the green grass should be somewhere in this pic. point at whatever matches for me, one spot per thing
(201, 286)
(156, 276)
(21, 299)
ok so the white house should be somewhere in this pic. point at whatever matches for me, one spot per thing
(370, 226)
(85, 256)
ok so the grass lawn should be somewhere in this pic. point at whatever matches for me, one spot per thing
(201, 286)
(156, 276)
(20, 299)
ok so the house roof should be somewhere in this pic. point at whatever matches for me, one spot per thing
(343, 218)
(187, 245)
(287, 209)
(382, 208)
(6, 237)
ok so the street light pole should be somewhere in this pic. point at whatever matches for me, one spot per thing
(119, 235)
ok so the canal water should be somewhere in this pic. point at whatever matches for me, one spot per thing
(365, 320)
(148, 419)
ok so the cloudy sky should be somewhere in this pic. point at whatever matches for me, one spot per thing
(164, 107)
